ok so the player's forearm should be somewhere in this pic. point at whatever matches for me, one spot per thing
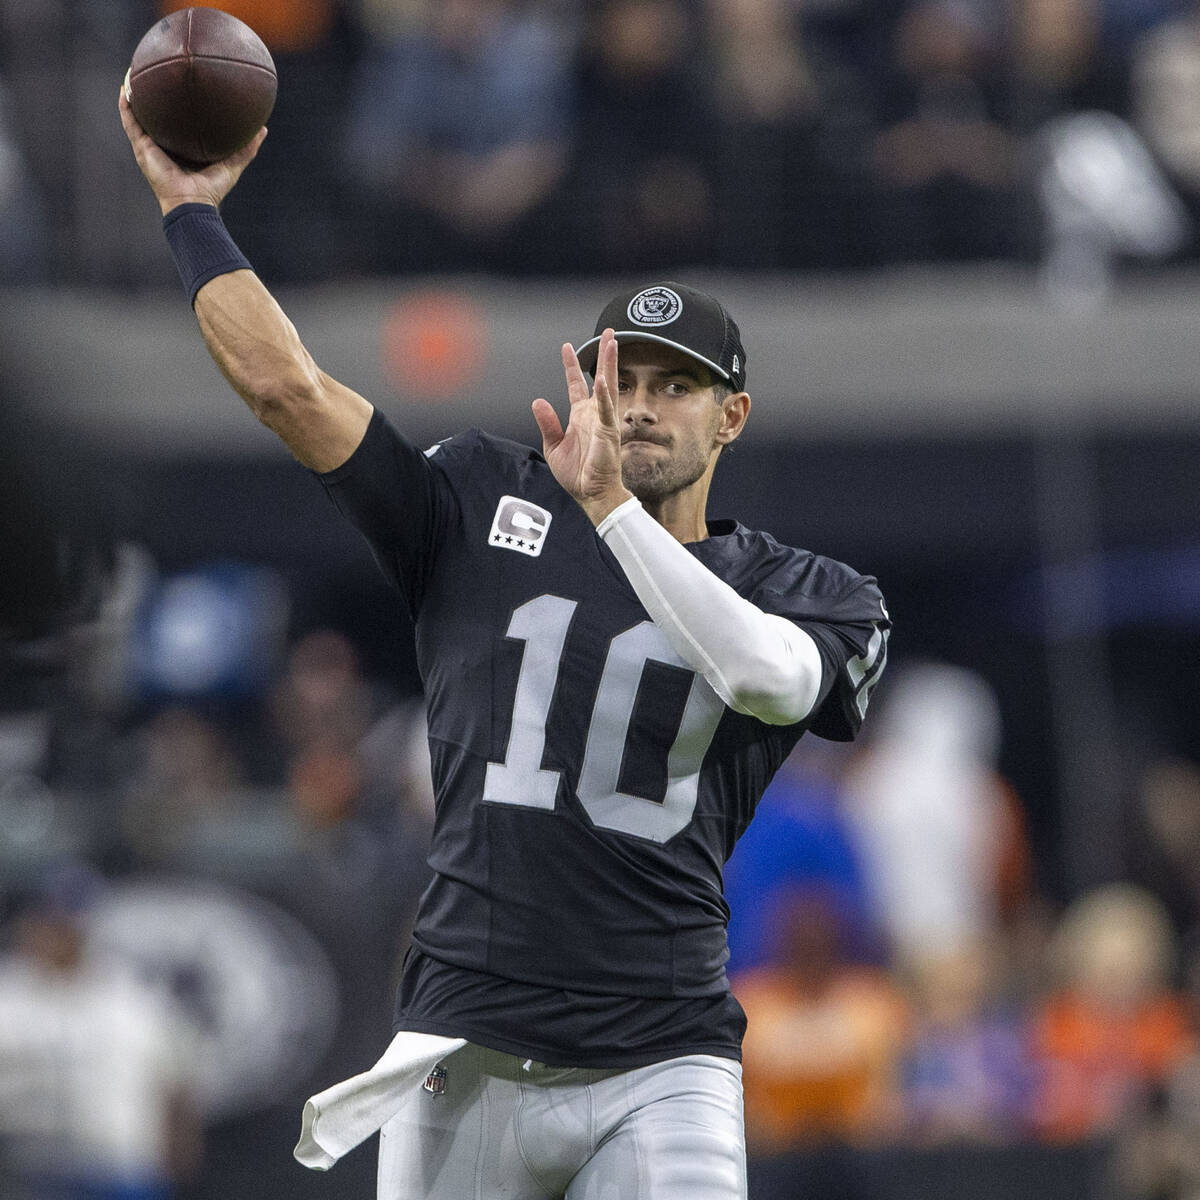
(260, 353)
(757, 663)
(255, 345)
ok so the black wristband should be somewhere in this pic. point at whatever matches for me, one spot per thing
(201, 246)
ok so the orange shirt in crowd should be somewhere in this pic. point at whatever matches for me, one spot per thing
(823, 1066)
(1093, 1062)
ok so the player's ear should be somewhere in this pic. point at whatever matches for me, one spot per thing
(734, 411)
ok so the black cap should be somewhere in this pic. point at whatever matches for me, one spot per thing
(674, 315)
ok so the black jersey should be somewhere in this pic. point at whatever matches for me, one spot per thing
(589, 784)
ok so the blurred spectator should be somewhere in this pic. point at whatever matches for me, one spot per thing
(946, 162)
(1165, 102)
(356, 892)
(1104, 200)
(1075, 54)
(762, 74)
(799, 840)
(397, 777)
(1165, 840)
(324, 702)
(825, 1037)
(940, 833)
(1053, 47)
(322, 699)
(95, 1089)
(969, 1074)
(458, 131)
(24, 252)
(769, 162)
(640, 192)
(1159, 1157)
(1112, 1033)
(56, 543)
(184, 797)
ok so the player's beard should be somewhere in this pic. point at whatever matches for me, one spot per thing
(653, 476)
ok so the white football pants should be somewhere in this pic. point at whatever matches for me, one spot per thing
(507, 1129)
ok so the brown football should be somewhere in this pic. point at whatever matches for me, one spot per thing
(201, 84)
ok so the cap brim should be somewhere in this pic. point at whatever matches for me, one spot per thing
(588, 352)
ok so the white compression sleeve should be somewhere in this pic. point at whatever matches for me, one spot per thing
(757, 663)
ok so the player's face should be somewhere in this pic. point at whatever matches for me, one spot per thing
(670, 420)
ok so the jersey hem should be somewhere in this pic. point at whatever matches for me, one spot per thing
(551, 1057)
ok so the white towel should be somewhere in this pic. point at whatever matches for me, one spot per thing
(339, 1118)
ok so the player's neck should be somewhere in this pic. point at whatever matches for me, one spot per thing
(682, 514)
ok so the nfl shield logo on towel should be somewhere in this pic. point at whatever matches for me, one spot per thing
(435, 1081)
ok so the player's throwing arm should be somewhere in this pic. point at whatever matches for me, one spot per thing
(248, 335)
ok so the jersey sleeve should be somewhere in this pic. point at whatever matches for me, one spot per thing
(852, 639)
(400, 500)
(845, 615)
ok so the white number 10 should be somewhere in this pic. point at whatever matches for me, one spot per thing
(542, 624)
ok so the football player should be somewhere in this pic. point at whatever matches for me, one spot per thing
(611, 681)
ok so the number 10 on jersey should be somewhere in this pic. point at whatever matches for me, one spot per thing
(542, 625)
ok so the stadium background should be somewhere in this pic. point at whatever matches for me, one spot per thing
(960, 240)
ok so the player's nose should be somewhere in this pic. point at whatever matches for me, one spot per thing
(636, 408)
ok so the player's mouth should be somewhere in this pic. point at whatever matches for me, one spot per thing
(650, 441)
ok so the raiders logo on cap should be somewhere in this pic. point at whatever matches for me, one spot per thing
(655, 306)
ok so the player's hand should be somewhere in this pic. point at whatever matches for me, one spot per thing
(585, 458)
(174, 185)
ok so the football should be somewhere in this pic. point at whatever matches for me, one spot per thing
(201, 84)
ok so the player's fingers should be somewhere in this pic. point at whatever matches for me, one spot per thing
(133, 127)
(243, 157)
(577, 388)
(149, 157)
(606, 408)
(221, 176)
(607, 360)
(129, 122)
(548, 423)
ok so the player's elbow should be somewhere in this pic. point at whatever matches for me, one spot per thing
(780, 684)
(775, 697)
(285, 398)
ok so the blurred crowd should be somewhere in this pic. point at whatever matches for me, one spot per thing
(212, 840)
(906, 979)
(557, 136)
(212, 836)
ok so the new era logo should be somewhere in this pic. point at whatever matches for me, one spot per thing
(520, 526)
